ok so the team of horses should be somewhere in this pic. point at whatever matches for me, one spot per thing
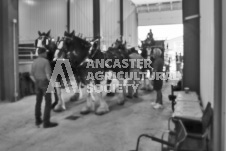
(80, 53)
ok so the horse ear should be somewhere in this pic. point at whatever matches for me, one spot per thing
(39, 33)
(48, 33)
(65, 33)
(73, 33)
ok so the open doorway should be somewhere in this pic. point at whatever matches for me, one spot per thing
(172, 35)
(172, 38)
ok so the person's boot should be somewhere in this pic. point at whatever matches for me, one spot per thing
(38, 122)
(50, 125)
(129, 96)
(135, 95)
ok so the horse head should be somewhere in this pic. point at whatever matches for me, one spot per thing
(46, 41)
(76, 49)
(94, 49)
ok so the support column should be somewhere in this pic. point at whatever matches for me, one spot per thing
(1, 53)
(219, 76)
(68, 15)
(9, 50)
(191, 70)
(121, 19)
(96, 18)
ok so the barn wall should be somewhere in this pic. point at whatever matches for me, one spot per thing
(109, 21)
(41, 15)
(207, 51)
(81, 17)
(130, 23)
(160, 18)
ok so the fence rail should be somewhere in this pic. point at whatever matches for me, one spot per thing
(26, 53)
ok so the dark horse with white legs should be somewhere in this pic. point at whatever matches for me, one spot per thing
(110, 60)
(46, 41)
(88, 61)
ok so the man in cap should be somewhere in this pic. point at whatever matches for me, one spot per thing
(40, 74)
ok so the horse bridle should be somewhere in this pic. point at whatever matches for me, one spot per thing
(66, 37)
(96, 50)
(43, 46)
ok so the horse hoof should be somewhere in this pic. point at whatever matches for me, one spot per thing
(149, 89)
(101, 112)
(53, 105)
(121, 103)
(75, 97)
(135, 95)
(85, 111)
(59, 110)
(128, 96)
(110, 94)
(143, 88)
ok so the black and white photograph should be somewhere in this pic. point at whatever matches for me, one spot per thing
(112, 75)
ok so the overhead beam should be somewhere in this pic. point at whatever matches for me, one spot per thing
(144, 8)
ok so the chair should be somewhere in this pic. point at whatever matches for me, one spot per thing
(197, 130)
(172, 97)
(171, 145)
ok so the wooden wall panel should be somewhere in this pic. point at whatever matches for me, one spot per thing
(41, 15)
(206, 51)
(130, 21)
(81, 17)
(110, 21)
(160, 18)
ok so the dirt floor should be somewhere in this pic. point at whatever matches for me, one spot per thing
(116, 131)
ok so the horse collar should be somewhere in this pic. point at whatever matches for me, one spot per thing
(94, 54)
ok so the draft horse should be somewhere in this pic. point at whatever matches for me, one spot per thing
(78, 51)
(46, 41)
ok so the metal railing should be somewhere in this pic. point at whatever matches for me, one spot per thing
(26, 53)
(158, 7)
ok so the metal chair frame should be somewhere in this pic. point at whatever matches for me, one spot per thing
(181, 135)
(205, 123)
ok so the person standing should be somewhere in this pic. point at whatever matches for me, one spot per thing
(135, 71)
(40, 74)
(177, 63)
(181, 62)
(177, 59)
(158, 80)
(167, 69)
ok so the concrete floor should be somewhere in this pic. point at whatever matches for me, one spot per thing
(116, 131)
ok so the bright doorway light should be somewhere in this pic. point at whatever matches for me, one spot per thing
(161, 32)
